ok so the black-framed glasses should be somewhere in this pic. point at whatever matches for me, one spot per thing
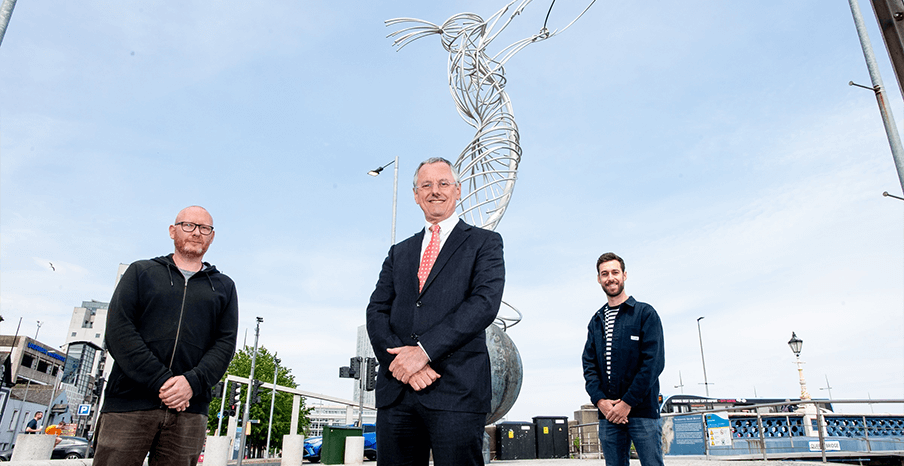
(189, 227)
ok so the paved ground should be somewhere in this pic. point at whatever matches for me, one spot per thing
(693, 461)
(669, 461)
(686, 461)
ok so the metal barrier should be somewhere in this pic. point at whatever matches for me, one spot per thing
(865, 425)
(761, 426)
(777, 425)
(588, 439)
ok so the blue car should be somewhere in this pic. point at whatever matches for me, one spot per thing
(312, 445)
(312, 449)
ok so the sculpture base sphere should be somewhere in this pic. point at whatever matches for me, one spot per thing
(506, 372)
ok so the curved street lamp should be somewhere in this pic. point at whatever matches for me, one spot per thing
(395, 190)
(700, 334)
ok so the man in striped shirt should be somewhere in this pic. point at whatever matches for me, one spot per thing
(622, 360)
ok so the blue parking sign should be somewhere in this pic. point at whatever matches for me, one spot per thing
(84, 410)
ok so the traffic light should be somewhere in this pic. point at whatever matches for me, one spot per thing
(233, 399)
(236, 393)
(255, 391)
(370, 376)
(354, 367)
(99, 387)
(217, 390)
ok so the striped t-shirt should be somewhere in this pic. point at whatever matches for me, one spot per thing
(609, 314)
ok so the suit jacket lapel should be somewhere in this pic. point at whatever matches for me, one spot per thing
(456, 238)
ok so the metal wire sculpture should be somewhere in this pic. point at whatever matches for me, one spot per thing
(488, 165)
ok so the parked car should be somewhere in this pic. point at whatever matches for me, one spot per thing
(312, 449)
(71, 448)
(370, 442)
(312, 445)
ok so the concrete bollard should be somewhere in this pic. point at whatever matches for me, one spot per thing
(354, 450)
(217, 451)
(33, 447)
(293, 450)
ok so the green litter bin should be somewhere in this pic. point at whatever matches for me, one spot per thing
(333, 449)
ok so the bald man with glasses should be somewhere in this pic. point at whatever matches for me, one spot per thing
(171, 330)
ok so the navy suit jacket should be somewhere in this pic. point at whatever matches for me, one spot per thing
(460, 299)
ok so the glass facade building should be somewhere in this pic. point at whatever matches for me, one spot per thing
(79, 364)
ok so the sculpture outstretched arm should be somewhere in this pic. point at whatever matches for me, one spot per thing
(410, 34)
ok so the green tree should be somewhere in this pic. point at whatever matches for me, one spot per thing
(282, 412)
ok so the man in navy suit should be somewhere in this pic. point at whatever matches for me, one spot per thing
(437, 293)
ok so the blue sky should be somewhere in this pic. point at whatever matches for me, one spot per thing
(716, 146)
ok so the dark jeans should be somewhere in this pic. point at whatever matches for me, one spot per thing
(171, 437)
(646, 434)
(407, 431)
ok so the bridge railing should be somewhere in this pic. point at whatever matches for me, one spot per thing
(809, 420)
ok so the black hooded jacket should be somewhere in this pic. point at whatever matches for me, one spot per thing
(159, 326)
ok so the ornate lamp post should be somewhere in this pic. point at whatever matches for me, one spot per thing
(796, 344)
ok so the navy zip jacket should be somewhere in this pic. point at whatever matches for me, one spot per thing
(638, 357)
(159, 326)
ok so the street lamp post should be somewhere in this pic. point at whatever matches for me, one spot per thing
(796, 344)
(700, 334)
(395, 190)
(246, 418)
(276, 362)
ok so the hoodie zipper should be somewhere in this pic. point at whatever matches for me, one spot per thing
(179, 327)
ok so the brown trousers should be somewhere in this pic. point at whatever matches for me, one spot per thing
(170, 437)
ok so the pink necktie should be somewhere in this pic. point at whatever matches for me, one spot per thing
(429, 258)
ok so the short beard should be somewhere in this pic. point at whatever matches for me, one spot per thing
(621, 289)
(190, 251)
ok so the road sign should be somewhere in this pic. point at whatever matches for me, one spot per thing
(84, 410)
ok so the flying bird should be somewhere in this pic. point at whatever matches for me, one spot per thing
(52, 267)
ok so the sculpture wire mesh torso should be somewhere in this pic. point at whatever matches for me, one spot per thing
(489, 163)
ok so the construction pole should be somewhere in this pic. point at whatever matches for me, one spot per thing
(891, 130)
(246, 419)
